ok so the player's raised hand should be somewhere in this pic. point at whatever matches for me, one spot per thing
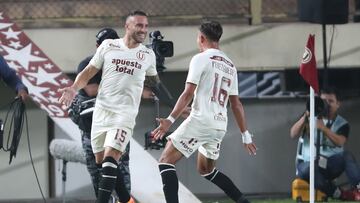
(161, 130)
(248, 142)
(251, 148)
(68, 94)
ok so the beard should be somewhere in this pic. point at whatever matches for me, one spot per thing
(138, 37)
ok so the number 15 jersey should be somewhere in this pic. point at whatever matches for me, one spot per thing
(216, 78)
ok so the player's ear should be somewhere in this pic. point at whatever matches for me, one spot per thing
(202, 38)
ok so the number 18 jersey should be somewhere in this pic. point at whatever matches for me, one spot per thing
(216, 78)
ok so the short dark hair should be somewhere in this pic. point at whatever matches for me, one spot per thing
(106, 33)
(331, 90)
(211, 29)
(137, 13)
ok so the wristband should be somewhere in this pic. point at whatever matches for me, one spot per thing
(246, 137)
(171, 119)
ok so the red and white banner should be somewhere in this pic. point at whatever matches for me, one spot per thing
(39, 74)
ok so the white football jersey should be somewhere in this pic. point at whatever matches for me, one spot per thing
(123, 75)
(216, 78)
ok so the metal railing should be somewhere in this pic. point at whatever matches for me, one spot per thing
(35, 9)
(164, 11)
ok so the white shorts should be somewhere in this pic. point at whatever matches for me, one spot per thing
(107, 132)
(191, 135)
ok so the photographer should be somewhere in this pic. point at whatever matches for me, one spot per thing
(333, 159)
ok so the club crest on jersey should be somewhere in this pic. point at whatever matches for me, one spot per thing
(140, 55)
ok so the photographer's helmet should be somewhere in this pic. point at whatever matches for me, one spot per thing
(106, 33)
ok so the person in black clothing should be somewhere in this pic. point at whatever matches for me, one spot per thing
(9, 76)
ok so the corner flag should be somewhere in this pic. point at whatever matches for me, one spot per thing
(308, 65)
(309, 72)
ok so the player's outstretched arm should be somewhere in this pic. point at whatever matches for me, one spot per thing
(180, 106)
(239, 113)
(68, 93)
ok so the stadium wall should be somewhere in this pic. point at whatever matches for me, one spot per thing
(265, 47)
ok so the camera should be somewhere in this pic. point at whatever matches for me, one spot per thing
(150, 143)
(161, 49)
(79, 107)
(321, 107)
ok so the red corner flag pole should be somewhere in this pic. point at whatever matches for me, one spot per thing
(309, 72)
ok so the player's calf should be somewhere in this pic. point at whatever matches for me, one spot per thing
(224, 183)
(108, 179)
(120, 187)
(170, 182)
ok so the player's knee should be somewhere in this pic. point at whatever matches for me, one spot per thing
(210, 175)
(163, 159)
(205, 167)
(203, 170)
(111, 152)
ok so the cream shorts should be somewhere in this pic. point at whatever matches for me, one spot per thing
(107, 132)
(190, 136)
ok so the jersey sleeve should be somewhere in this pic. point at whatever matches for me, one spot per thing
(344, 130)
(9, 76)
(98, 59)
(234, 85)
(195, 70)
(151, 71)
